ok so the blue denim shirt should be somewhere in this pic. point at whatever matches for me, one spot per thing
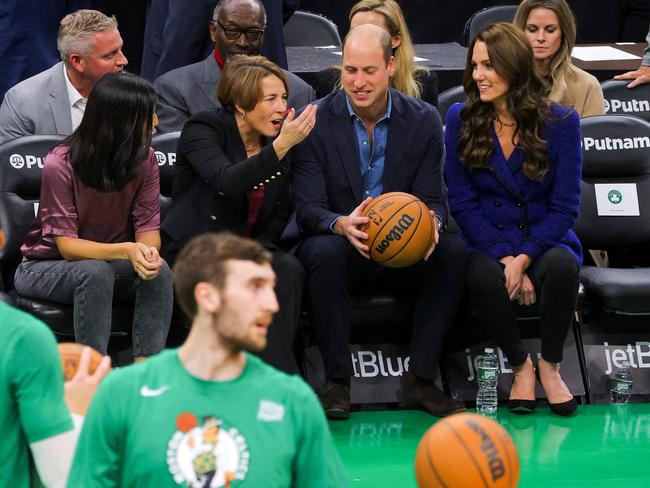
(371, 156)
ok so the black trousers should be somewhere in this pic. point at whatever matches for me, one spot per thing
(290, 277)
(555, 278)
(334, 269)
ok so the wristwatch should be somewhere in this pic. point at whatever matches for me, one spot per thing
(440, 225)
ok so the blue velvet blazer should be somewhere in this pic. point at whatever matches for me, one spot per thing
(500, 211)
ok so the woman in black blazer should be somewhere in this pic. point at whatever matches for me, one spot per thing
(231, 174)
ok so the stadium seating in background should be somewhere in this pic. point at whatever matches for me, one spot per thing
(490, 15)
(448, 97)
(165, 147)
(621, 100)
(310, 29)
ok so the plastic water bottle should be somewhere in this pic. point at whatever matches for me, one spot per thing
(621, 388)
(488, 377)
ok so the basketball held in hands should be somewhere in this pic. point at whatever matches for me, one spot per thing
(400, 229)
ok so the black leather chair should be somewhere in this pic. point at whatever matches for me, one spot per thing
(165, 147)
(310, 29)
(490, 15)
(448, 97)
(21, 163)
(616, 151)
(621, 100)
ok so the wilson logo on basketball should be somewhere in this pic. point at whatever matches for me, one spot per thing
(395, 234)
(495, 462)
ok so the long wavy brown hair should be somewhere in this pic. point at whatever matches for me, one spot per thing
(511, 56)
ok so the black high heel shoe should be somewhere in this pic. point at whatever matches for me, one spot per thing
(565, 409)
(521, 406)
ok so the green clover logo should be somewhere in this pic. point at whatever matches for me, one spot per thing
(615, 197)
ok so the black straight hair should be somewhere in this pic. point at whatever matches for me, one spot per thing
(114, 135)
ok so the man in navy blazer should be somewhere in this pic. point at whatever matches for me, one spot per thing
(370, 140)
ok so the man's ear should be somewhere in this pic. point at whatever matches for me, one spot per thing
(212, 27)
(2, 239)
(76, 62)
(391, 66)
(207, 297)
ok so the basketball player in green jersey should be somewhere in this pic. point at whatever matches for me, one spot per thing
(36, 410)
(209, 414)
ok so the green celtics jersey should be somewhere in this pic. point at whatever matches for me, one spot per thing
(31, 393)
(154, 424)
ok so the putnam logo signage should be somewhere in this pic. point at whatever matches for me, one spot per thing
(615, 144)
(626, 106)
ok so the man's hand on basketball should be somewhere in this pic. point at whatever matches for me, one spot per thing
(348, 227)
(79, 391)
(436, 235)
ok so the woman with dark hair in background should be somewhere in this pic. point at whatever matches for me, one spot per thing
(96, 236)
(388, 15)
(513, 165)
(550, 28)
(231, 174)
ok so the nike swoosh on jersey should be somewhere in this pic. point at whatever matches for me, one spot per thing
(145, 391)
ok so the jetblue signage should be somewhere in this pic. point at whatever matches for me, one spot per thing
(378, 369)
(616, 106)
(19, 161)
(604, 353)
(461, 369)
(165, 158)
(614, 144)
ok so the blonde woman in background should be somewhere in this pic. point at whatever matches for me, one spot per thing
(388, 15)
(550, 28)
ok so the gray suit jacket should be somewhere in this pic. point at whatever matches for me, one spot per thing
(191, 89)
(37, 105)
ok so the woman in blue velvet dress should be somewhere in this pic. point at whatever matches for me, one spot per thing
(513, 169)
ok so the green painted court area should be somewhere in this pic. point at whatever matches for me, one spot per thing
(602, 446)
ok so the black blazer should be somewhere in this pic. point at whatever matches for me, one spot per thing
(211, 178)
(326, 173)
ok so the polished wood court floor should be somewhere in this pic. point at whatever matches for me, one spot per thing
(602, 446)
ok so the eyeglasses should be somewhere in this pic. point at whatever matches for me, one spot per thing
(233, 33)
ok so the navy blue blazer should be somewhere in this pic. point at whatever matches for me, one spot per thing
(326, 171)
(503, 213)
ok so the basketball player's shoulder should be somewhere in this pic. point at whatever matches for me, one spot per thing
(274, 378)
(17, 326)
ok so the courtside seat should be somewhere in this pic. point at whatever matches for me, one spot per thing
(621, 100)
(490, 15)
(310, 29)
(448, 97)
(615, 180)
(165, 147)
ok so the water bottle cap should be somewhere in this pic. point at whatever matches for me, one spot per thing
(489, 350)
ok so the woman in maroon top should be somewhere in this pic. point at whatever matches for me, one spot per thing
(231, 174)
(96, 236)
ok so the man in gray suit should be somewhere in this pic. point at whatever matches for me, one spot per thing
(53, 102)
(237, 29)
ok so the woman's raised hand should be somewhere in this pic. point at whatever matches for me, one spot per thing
(295, 129)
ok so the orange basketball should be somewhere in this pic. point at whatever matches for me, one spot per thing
(71, 356)
(400, 229)
(466, 450)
